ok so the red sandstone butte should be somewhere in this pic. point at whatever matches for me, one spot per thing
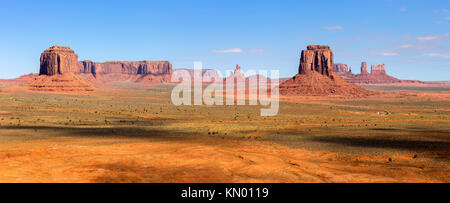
(317, 58)
(57, 72)
(377, 75)
(135, 71)
(58, 60)
(317, 78)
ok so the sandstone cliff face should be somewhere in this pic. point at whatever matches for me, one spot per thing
(364, 68)
(316, 77)
(377, 75)
(317, 58)
(340, 68)
(87, 67)
(127, 67)
(379, 70)
(58, 60)
(57, 73)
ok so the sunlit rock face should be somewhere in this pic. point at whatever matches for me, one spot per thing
(317, 58)
(58, 60)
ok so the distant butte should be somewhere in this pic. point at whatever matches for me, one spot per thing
(377, 75)
(60, 60)
(136, 71)
(58, 69)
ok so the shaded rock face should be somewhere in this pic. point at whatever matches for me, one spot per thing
(340, 68)
(364, 68)
(58, 60)
(127, 67)
(87, 67)
(147, 72)
(317, 78)
(377, 75)
(379, 70)
(317, 58)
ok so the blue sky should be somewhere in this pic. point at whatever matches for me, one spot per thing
(411, 37)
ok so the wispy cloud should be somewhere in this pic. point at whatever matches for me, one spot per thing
(420, 46)
(333, 28)
(406, 46)
(428, 37)
(389, 53)
(238, 50)
(440, 55)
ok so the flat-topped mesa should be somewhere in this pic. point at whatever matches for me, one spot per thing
(317, 58)
(127, 67)
(341, 68)
(58, 60)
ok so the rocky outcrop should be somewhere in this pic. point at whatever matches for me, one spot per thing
(317, 58)
(67, 82)
(379, 70)
(126, 67)
(59, 66)
(341, 68)
(364, 68)
(238, 73)
(148, 72)
(377, 75)
(317, 78)
(58, 60)
(87, 67)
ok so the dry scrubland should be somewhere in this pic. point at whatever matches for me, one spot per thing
(133, 133)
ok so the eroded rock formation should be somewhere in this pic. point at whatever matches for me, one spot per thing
(58, 60)
(379, 70)
(136, 71)
(59, 66)
(364, 68)
(317, 58)
(377, 75)
(317, 78)
(67, 82)
(341, 68)
(126, 67)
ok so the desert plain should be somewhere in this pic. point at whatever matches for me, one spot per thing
(128, 132)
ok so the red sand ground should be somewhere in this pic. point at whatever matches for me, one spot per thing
(201, 160)
(68, 82)
(316, 84)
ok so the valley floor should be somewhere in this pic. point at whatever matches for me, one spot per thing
(133, 133)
